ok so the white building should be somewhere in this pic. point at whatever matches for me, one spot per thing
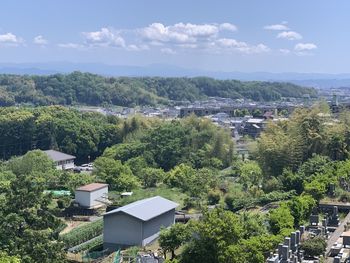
(92, 195)
(62, 161)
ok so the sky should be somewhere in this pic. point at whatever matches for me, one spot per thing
(223, 35)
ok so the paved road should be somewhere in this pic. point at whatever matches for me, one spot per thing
(335, 236)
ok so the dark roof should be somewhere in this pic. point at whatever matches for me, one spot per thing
(57, 156)
(91, 187)
(146, 209)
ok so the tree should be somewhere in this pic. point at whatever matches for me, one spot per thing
(4, 258)
(151, 176)
(292, 181)
(301, 208)
(119, 176)
(213, 234)
(316, 189)
(172, 238)
(28, 228)
(253, 225)
(250, 174)
(281, 220)
(181, 176)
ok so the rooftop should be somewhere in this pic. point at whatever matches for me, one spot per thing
(255, 120)
(346, 234)
(146, 209)
(91, 187)
(57, 156)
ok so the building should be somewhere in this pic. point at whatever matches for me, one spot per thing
(231, 110)
(138, 223)
(62, 161)
(253, 127)
(92, 195)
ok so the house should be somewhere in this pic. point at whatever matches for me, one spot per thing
(92, 195)
(253, 127)
(138, 223)
(62, 161)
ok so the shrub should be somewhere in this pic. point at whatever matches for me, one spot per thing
(214, 197)
(314, 247)
(345, 197)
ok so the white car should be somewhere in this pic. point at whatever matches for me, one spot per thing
(87, 167)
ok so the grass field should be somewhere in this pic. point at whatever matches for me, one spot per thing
(172, 194)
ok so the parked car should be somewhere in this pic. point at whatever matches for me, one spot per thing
(87, 167)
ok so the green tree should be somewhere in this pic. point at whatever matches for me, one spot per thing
(116, 174)
(281, 220)
(250, 174)
(301, 208)
(28, 228)
(172, 238)
(151, 176)
(212, 235)
(4, 258)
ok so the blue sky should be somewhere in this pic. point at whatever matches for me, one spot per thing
(221, 35)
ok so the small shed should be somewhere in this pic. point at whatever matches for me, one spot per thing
(62, 160)
(138, 223)
(92, 195)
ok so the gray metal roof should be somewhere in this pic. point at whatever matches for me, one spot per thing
(146, 209)
(57, 156)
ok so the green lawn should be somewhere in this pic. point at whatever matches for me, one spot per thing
(173, 194)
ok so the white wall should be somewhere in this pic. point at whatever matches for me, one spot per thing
(97, 195)
(88, 199)
(83, 198)
(65, 165)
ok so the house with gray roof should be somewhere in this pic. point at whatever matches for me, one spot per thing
(62, 160)
(138, 223)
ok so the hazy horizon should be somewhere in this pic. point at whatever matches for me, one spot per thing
(247, 36)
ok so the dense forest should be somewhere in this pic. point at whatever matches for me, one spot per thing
(90, 89)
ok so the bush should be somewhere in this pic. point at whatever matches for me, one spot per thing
(345, 197)
(190, 202)
(64, 202)
(214, 197)
(234, 204)
(272, 184)
(274, 196)
(314, 247)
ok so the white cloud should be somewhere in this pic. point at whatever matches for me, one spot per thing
(242, 47)
(277, 27)
(104, 37)
(300, 47)
(180, 33)
(40, 40)
(70, 45)
(10, 38)
(290, 35)
(134, 47)
(228, 27)
(168, 51)
(284, 51)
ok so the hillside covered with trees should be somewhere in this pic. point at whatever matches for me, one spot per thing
(258, 201)
(90, 89)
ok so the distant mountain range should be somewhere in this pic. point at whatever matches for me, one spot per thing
(317, 80)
